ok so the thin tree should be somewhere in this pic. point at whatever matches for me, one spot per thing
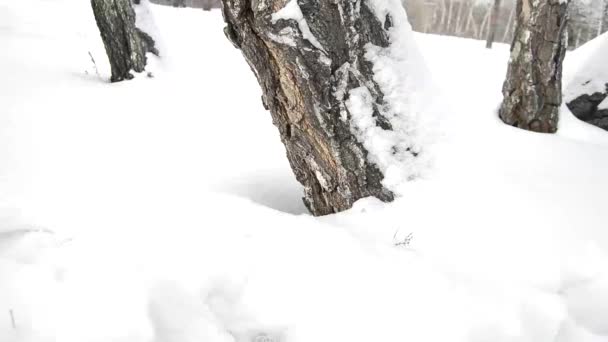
(493, 24)
(603, 17)
(450, 15)
(505, 36)
(484, 23)
(122, 40)
(532, 89)
(459, 17)
(471, 25)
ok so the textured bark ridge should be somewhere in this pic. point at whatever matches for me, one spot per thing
(532, 90)
(123, 42)
(306, 68)
(585, 107)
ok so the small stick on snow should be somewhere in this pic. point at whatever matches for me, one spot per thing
(12, 319)
(405, 242)
(94, 64)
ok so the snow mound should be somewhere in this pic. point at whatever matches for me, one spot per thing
(586, 71)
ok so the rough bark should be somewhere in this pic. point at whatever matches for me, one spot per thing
(532, 90)
(306, 85)
(122, 40)
(493, 24)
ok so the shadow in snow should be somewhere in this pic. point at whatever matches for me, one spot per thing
(272, 189)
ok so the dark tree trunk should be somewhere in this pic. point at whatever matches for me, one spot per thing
(532, 90)
(493, 24)
(306, 74)
(124, 45)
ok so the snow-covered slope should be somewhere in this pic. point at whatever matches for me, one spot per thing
(163, 209)
(588, 73)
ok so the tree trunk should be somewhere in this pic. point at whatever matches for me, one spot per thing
(207, 5)
(505, 37)
(450, 13)
(311, 66)
(442, 23)
(484, 23)
(532, 90)
(493, 24)
(603, 18)
(471, 23)
(122, 40)
(459, 16)
(577, 42)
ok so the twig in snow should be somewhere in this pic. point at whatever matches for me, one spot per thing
(405, 242)
(94, 64)
(10, 311)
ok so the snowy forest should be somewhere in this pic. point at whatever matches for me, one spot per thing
(473, 18)
(303, 170)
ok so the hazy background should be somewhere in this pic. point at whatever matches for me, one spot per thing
(470, 18)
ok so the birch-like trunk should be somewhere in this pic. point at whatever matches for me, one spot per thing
(533, 87)
(459, 16)
(450, 13)
(493, 24)
(505, 36)
(471, 23)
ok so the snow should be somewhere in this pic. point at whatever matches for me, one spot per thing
(292, 11)
(146, 22)
(586, 73)
(603, 104)
(164, 210)
(399, 70)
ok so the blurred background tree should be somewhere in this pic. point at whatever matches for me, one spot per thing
(472, 19)
(204, 4)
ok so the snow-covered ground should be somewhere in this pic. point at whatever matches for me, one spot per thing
(163, 209)
(587, 70)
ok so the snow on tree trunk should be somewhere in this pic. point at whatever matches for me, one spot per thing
(146, 26)
(124, 45)
(532, 90)
(337, 77)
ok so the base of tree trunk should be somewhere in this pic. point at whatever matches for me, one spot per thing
(532, 90)
(121, 38)
(307, 69)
